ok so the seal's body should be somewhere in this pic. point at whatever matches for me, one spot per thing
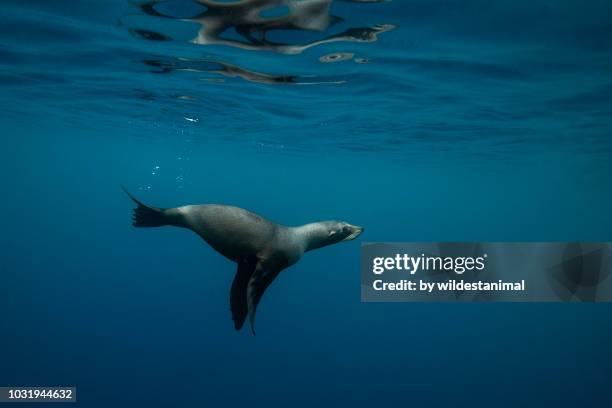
(216, 223)
(260, 247)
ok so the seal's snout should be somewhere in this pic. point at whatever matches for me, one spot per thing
(355, 231)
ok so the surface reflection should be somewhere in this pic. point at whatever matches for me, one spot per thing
(247, 24)
(164, 65)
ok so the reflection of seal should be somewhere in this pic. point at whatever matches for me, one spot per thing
(247, 20)
(260, 247)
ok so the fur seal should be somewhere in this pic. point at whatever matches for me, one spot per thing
(261, 248)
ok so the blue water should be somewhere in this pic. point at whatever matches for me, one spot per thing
(464, 120)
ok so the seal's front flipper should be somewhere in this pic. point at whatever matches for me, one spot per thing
(238, 293)
(145, 215)
(259, 282)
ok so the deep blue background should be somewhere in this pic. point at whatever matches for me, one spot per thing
(473, 121)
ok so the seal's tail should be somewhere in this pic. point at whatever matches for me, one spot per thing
(145, 215)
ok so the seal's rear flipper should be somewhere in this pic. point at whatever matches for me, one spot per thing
(145, 215)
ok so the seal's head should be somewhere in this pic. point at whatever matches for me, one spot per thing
(342, 231)
(320, 234)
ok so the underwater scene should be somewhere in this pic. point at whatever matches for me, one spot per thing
(399, 121)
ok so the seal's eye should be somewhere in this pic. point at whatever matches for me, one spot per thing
(346, 230)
